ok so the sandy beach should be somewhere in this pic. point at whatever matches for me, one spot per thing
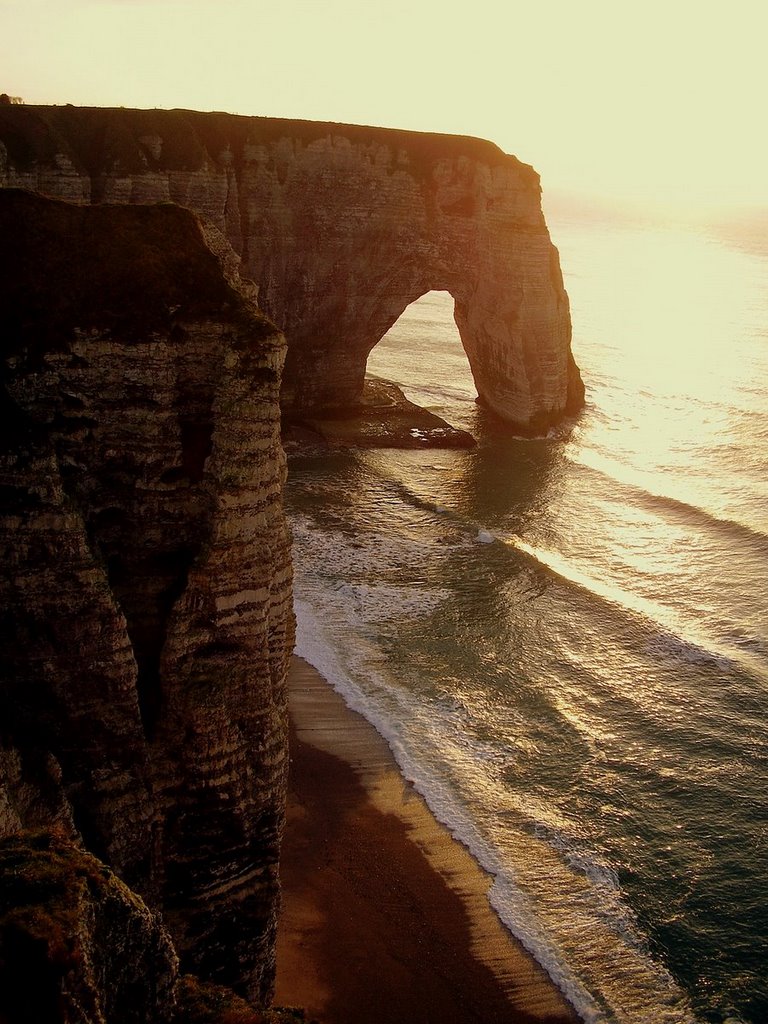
(385, 916)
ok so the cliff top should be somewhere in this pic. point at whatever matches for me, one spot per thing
(96, 138)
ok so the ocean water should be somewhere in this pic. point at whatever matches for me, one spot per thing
(565, 640)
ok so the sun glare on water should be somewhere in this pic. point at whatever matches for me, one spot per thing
(678, 333)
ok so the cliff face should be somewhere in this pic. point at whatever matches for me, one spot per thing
(145, 607)
(340, 227)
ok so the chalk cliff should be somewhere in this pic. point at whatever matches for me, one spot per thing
(340, 227)
(145, 602)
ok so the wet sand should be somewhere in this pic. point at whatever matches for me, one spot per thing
(385, 917)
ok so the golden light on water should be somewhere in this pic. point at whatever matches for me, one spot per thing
(677, 329)
(569, 570)
(676, 302)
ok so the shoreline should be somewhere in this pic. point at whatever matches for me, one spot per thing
(385, 915)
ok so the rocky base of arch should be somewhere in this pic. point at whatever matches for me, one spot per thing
(383, 418)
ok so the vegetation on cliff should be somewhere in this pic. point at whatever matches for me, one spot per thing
(76, 945)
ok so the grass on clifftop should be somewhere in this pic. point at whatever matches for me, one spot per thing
(42, 878)
(39, 875)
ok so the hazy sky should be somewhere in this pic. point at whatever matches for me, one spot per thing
(659, 99)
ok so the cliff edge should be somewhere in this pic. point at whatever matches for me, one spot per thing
(341, 227)
(145, 604)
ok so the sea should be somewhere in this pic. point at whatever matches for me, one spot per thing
(565, 639)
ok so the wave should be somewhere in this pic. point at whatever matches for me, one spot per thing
(734, 651)
(564, 904)
(570, 573)
(677, 508)
(687, 651)
(692, 515)
(666, 636)
(747, 642)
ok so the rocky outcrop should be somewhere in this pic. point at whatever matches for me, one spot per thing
(340, 228)
(384, 418)
(76, 945)
(145, 605)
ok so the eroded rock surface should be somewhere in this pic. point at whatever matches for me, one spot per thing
(340, 227)
(145, 605)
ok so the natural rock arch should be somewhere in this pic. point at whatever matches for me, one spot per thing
(357, 231)
(340, 227)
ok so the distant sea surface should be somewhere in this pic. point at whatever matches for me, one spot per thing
(565, 640)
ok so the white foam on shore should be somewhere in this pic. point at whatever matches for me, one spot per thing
(632, 989)
(313, 647)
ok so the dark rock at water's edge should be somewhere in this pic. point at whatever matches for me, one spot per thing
(384, 418)
(145, 604)
(340, 227)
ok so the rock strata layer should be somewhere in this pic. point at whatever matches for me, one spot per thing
(145, 602)
(341, 228)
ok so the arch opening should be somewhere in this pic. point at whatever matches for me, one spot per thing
(422, 353)
(409, 387)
